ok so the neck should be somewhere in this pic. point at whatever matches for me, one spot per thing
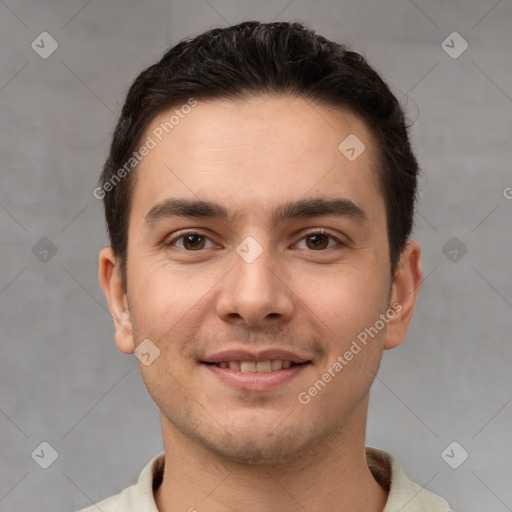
(334, 476)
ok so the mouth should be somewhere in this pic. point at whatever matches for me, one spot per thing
(254, 372)
(266, 366)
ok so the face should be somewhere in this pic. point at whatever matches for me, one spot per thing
(257, 254)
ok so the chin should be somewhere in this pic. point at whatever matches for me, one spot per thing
(260, 452)
(259, 443)
(256, 436)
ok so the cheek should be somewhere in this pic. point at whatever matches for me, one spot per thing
(343, 311)
(345, 302)
(166, 298)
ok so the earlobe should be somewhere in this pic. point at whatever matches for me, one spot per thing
(112, 285)
(405, 289)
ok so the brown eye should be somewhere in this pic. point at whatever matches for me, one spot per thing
(193, 242)
(318, 241)
(190, 242)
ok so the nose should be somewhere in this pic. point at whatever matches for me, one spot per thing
(255, 292)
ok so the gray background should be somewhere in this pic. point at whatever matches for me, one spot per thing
(61, 378)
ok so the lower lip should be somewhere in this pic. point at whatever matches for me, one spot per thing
(254, 381)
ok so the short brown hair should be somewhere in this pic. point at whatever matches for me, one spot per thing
(251, 58)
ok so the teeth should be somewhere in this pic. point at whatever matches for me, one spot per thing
(263, 366)
(256, 367)
(248, 366)
(277, 365)
(234, 365)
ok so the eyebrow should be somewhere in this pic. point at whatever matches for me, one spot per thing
(314, 207)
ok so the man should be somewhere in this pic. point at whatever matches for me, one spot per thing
(259, 197)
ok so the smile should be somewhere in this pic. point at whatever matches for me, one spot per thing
(255, 375)
(255, 367)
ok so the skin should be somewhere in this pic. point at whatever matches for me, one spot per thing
(225, 448)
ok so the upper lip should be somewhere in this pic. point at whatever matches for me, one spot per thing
(256, 356)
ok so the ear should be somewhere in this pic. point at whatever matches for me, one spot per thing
(111, 283)
(404, 291)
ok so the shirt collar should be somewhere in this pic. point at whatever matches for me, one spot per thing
(403, 494)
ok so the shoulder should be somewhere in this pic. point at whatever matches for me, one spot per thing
(404, 495)
(137, 497)
(113, 503)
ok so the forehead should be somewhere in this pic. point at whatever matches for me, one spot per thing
(257, 151)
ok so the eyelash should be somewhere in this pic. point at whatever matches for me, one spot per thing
(309, 233)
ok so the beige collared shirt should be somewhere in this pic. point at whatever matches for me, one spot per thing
(404, 495)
